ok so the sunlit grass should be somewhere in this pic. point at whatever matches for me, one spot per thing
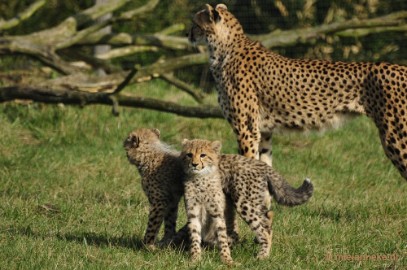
(69, 199)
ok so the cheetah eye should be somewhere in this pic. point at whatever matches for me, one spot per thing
(189, 155)
(203, 155)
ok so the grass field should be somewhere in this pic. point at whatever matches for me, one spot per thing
(69, 199)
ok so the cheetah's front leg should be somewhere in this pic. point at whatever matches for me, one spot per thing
(216, 211)
(253, 147)
(221, 234)
(248, 135)
(243, 118)
(195, 229)
(265, 148)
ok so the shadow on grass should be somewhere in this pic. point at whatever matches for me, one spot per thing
(86, 238)
(91, 239)
(337, 215)
(102, 240)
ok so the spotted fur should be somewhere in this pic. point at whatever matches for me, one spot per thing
(249, 183)
(260, 90)
(204, 198)
(161, 179)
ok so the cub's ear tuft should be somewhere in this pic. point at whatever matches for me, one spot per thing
(216, 145)
(185, 141)
(156, 132)
(221, 6)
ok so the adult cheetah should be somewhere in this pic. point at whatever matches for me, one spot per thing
(260, 90)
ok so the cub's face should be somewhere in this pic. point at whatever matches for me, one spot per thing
(140, 140)
(214, 23)
(200, 156)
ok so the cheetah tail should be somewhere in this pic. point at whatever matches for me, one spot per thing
(286, 194)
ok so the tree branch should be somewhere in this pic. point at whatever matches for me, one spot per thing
(195, 94)
(126, 81)
(164, 66)
(81, 81)
(305, 35)
(159, 40)
(43, 44)
(53, 46)
(367, 31)
(390, 22)
(128, 50)
(131, 14)
(97, 11)
(22, 16)
(172, 29)
(82, 98)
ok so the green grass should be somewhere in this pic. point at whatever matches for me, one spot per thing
(69, 199)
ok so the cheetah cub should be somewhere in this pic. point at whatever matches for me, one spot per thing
(204, 198)
(249, 182)
(161, 179)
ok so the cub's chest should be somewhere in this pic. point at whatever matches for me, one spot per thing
(203, 184)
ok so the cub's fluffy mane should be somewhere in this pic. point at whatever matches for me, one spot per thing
(166, 148)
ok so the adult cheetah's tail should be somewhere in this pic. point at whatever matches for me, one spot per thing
(286, 194)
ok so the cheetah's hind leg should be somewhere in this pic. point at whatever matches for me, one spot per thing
(155, 219)
(395, 146)
(259, 220)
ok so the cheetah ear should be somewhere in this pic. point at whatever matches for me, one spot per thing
(208, 7)
(156, 132)
(221, 6)
(213, 13)
(131, 141)
(216, 146)
(216, 17)
(218, 7)
(135, 140)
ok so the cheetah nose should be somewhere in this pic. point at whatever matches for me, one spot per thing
(194, 165)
